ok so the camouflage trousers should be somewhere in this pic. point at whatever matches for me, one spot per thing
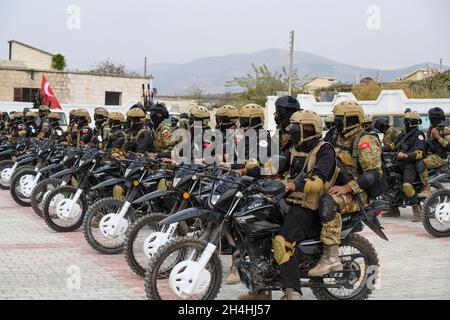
(433, 161)
(348, 204)
(331, 231)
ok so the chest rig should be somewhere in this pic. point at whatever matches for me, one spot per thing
(309, 200)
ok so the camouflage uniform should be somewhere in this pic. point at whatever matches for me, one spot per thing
(368, 158)
(163, 137)
(437, 148)
(390, 138)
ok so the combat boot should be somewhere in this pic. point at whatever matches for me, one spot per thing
(291, 294)
(426, 192)
(329, 262)
(418, 215)
(392, 213)
(254, 295)
(233, 278)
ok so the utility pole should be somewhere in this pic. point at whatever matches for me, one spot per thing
(291, 62)
(440, 65)
(145, 68)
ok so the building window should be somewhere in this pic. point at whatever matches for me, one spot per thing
(25, 94)
(113, 98)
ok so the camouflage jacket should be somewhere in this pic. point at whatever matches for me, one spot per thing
(391, 137)
(366, 158)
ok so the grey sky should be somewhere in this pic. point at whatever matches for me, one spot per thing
(412, 31)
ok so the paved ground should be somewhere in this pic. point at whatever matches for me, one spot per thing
(37, 263)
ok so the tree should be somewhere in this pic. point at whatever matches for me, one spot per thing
(196, 94)
(59, 62)
(256, 87)
(111, 68)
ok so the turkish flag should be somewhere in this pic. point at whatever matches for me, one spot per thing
(49, 98)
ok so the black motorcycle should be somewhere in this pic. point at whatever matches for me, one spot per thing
(65, 207)
(107, 221)
(249, 214)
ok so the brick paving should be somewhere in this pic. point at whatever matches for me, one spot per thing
(37, 263)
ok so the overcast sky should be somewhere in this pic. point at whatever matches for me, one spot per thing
(408, 31)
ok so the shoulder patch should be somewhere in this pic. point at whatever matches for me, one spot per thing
(85, 131)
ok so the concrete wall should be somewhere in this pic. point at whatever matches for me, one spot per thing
(389, 102)
(32, 58)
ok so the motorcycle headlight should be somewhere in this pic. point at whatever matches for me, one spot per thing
(215, 198)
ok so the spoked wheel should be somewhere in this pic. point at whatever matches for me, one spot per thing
(360, 262)
(6, 173)
(171, 276)
(144, 238)
(22, 186)
(42, 190)
(437, 214)
(61, 213)
(100, 226)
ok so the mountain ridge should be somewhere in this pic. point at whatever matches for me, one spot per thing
(211, 73)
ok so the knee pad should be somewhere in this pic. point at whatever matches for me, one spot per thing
(282, 250)
(327, 209)
(420, 166)
(408, 190)
(119, 192)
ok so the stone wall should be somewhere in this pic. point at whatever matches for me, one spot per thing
(31, 57)
(90, 89)
(11, 78)
(71, 87)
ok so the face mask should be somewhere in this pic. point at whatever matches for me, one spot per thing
(294, 134)
(156, 119)
(328, 125)
(308, 145)
(435, 122)
(339, 122)
(245, 122)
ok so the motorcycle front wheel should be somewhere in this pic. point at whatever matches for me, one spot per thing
(60, 213)
(436, 211)
(169, 274)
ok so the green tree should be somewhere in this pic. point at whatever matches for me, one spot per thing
(59, 62)
(257, 86)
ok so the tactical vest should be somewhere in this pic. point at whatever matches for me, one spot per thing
(310, 200)
(135, 139)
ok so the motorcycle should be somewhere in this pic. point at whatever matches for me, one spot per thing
(65, 207)
(107, 221)
(25, 180)
(145, 236)
(249, 214)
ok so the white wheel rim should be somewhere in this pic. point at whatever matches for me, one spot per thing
(108, 226)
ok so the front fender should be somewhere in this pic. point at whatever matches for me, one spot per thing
(51, 167)
(184, 215)
(64, 173)
(8, 152)
(108, 183)
(154, 195)
(27, 160)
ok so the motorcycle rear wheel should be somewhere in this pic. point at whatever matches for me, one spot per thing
(430, 222)
(357, 272)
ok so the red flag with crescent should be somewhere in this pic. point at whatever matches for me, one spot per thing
(49, 97)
